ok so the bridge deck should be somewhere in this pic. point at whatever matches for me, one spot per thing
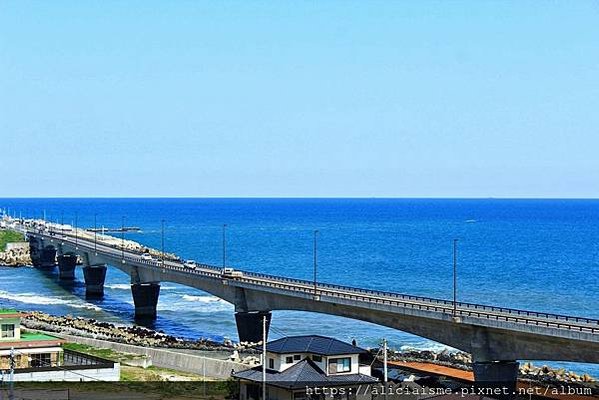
(292, 285)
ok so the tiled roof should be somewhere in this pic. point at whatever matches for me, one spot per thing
(298, 376)
(313, 344)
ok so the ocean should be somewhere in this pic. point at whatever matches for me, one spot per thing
(539, 255)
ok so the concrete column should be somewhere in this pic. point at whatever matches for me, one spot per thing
(34, 250)
(66, 266)
(47, 257)
(249, 325)
(94, 276)
(145, 298)
(497, 378)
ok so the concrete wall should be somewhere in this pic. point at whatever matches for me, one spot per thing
(17, 246)
(165, 358)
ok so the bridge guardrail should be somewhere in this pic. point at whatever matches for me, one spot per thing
(429, 299)
(435, 308)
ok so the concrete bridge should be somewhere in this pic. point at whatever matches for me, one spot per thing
(495, 336)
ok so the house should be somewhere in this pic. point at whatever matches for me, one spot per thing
(34, 356)
(300, 367)
(29, 350)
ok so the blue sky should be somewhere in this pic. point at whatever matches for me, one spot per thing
(300, 98)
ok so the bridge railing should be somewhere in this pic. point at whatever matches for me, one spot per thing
(393, 295)
(469, 309)
(439, 308)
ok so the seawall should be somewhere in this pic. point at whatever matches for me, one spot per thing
(164, 358)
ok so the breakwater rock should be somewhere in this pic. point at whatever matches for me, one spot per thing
(552, 375)
(528, 371)
(135, 335)
(455, 359)
(16, 255)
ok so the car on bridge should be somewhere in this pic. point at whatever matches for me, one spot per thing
(190, 264)
(231, 273)
(146, 256)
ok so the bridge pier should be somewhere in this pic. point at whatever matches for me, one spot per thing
(94, 276)
(66, 266)
(145, 298)
(249, 325)
(48, 257)
(497, 378)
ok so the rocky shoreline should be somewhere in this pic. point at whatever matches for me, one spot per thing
(16, 255)
(528, 371)
(134, 335)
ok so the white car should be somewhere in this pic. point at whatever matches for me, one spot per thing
(146, 256)
(231, 273)
(190, 264)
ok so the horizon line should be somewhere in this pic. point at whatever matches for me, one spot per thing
(304, 197)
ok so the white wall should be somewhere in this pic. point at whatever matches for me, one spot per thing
(83, 375)
(281, 364)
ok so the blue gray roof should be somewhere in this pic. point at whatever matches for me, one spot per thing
(313, 344)
(299, 375)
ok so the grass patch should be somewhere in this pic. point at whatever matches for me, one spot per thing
(8, 236)
(102, 353)
(163, 383)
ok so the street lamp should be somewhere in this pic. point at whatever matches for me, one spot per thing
(162, 241)
(455, 277)
(76, 232)
(96, 233)
(123, 238)
(315, 251)
(224, 245)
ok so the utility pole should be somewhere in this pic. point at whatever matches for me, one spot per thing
(162, 240)
(315, 253)
(455, 278)
(224, 245)
(62, 223)
(385, 375)
(11, 394)
(264, 357)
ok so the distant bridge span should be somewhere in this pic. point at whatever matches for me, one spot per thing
(495, 336)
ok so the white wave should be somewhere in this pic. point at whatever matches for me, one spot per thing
(32, 298)
(202, 304)
(87, 306)
(119, 286)
(202, 299)
(127, 286)
(428, 346)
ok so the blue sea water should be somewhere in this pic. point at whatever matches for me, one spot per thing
(533, 254)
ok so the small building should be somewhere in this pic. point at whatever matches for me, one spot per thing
(299, 367)
(39, 357)
(30, 350)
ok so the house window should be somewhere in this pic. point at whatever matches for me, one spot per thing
(8, 331)
(337, 365)
(289, 359)
(317, 358)
(297, 357)
(41, 360)
(271, 363)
